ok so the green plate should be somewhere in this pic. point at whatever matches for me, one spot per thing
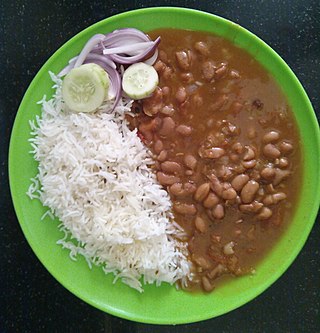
(163, 305)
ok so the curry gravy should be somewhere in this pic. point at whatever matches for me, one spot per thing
(226, 148)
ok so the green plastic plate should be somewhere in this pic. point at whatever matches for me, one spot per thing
(162, 305)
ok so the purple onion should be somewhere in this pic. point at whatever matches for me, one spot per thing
(128, 60)
(91, 43)
(124, 46)
(128, 48)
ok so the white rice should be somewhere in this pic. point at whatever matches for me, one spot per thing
(94, 176)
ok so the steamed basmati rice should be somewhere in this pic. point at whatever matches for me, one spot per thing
(94, 175)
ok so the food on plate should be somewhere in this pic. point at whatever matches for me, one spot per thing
(85, 88)
(181, 162)
(227, 150)
(139, 80)
(94, 176)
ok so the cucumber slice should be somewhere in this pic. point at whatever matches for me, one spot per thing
(139, 80)
(85, 88)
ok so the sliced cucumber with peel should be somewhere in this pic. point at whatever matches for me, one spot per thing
(85, 88)
(139, 80)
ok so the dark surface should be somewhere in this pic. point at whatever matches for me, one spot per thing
(31, 300)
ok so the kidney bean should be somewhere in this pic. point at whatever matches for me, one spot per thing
(181, 95)
(249, 191)
(202, 192)
(171, 167)
(217, 271)
(162, 156)
(201, 224)
(218, 212)
(249, 154)
(238, 147)
(215, 184)
(228, 248)
(271, 151)
(190, 188)
(226, 185)
(211, 200)
(255, 175)
(153, 104)
(219, 103)
(272, 199)
(223, 171)
(280, 175)
(166, 91)
(249, 164)
(286, 147)
(251, 208)
(182, 190)
(221, 71)
(234, 74)
(229, 194)
(147, 129)
(202, 48)
(176, 189)
(271, 136)
(185, 208)
(184, 130)
(159, 66)
(150, 126)
(265, 213)
(167, 127)
(268, 173)
(230, 129)
(188, 173)
(190, 161)
(208, 70)
(187, 77)
(168, 110)
(183, 60)
(214, 153)
(206, 284)
(283, 162)
(158, 146)
(168, 73)
(239, 181)
(270, 188)
(201, 261)
(165, 179)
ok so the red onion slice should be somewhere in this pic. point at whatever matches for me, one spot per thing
(91, 43)
(152, 59)
(102, 58)
(126, 60)
(92, 57)
(121, 37)
(66, 70)
(129, 48)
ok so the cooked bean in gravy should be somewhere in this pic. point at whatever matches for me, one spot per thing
(226, 148)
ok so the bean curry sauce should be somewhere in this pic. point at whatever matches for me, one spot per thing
(226, 148)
